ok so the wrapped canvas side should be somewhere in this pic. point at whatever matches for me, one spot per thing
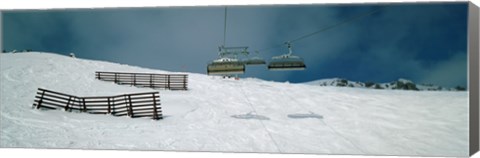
(473, 50)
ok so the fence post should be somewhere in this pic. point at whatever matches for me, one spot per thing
(84, 106)
(115, 80)
(134, 79)
(68, 103)
(155, 115)
(130, 103)
(109, 108)
(185, 82)
(41, 99)
(151, 81)
(168, 81)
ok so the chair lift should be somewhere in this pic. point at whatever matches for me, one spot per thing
(286, 62)
(255, 60)
(225, 67)
(227, 63)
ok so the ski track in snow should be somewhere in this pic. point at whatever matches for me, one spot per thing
(269, 116)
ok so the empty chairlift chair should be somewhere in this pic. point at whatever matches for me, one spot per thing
(286, 62)
(255, 61)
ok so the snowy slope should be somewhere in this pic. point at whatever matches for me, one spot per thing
(246, 115)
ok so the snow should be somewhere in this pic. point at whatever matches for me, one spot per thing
(246, 115)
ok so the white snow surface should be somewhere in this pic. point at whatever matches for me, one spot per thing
(246, 115)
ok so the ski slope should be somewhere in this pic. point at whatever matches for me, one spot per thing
(246, 115)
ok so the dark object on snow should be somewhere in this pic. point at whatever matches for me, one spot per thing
(459, 88)
(404, 85)
(166, 81)
(369, 84)
(342, 82)
(133, 105)
(377, 86)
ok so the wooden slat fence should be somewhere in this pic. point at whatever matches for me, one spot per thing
(167, 81)
(132, 105)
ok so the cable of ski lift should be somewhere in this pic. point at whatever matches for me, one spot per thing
(227, 63)
(291, 62)
(338, 24)
(225, 27)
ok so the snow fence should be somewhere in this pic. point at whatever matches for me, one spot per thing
(167, 81)
(133, 105)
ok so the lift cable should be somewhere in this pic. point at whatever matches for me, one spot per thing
(326, 28)
(225, 27)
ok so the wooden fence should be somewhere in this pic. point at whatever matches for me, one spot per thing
(167, 81)
(132, 105)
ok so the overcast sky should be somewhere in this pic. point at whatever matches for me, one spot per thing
(426, 43)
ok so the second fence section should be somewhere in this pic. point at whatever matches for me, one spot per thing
(167, 81)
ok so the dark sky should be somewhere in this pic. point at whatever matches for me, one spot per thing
(426, 43)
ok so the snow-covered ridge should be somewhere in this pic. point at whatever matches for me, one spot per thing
(222, 115)
(400, 84)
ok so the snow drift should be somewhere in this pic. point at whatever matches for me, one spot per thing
(246, 115)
